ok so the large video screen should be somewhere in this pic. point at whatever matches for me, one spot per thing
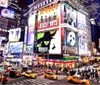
(68, 15)
(7, 13)
(49, 42)
(16, 47)
(14, 34)
(71, 42)
(4, 3)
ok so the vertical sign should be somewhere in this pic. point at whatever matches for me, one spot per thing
(30, 37)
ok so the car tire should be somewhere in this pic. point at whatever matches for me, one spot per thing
(70, 80)
(83, 83)
(45, 76)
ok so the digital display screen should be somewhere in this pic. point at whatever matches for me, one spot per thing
(7, 13)
(16, 47)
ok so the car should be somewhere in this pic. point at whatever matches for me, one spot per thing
(14, 73)
(3, 78)
(77, 79)
(30, 74)
(51, 75)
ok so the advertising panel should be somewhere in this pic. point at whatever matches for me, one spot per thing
(14, 34)
(71, 42)
(81, 21)
(4, 3)
(30, 35)
(68, 15)
(83, 46)
(49, 17)
(7, 13)
(49, 42)
(16, 47)
(84, 43)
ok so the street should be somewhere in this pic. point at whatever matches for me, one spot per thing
(40, 80)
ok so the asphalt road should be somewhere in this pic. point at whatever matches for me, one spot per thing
(40, 80)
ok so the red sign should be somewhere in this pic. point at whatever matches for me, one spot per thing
(49, 17)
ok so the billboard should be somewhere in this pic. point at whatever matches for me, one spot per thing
(49, 17)
(71, 42)
(16, 47)
(4, 3)
(49, 42)
(81, 19)
(68, 15)
(83, 43)
(14, 34)
(30, 34)
(7, 13)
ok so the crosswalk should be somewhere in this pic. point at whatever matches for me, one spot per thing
(38, 81)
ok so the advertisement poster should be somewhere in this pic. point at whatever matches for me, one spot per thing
(83, 45)
(4, 3)
(14, 34)
(7, 13)
(81, 21)
(49, 17)
(68, 15)
(71, 42)
(16, 48)
(49, 42)
(30, 35)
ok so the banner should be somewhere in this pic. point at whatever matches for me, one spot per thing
(49, 17)
(71, 42)
(30, 35)
(49, 42)
(14, 34)
(68, 15)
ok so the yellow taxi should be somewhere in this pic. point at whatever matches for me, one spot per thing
(30, 74)
(51, 75)
(78, 80)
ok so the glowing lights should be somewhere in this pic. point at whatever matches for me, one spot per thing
(3, 30)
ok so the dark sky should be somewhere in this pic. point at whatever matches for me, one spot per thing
(23, 3)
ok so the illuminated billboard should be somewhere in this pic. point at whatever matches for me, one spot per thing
(14, 34)
(68, 15)
(30, 34)
(7, 13)
(49, 42)
(71, 42)
(16, 48)
(49, 17)
(81, 21)
(84, 44)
